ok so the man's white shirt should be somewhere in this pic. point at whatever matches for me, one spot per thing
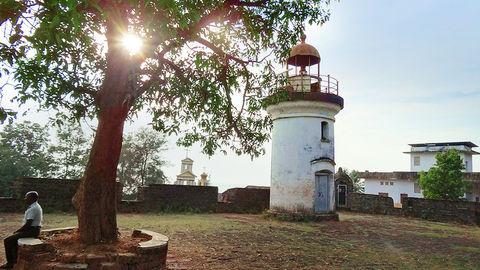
(34, 212)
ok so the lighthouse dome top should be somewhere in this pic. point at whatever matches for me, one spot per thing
(303, 54)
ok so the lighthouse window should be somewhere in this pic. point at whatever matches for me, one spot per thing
(324, 131)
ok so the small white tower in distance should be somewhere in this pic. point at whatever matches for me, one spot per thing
(203, 181)
(186, 176)
(303, 160)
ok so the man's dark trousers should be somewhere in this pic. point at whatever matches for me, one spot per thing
(11, 246)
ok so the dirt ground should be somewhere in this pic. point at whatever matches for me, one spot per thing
(358, 241)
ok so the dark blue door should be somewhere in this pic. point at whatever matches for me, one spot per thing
(322, 193)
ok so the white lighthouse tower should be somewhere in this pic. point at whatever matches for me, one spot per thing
(303, 159)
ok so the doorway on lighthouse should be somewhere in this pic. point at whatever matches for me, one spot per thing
(322, 191)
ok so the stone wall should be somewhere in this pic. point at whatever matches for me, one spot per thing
(54, 194)
(161, 197)
(244, 200)
(436, 210)
(371, 204)
(441, 210)
(11, 205)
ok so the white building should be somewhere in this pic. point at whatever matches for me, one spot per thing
(422, 155)
(186, 176)
(422, 158)
(303, 161)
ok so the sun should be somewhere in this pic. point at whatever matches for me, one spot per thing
(132, 43)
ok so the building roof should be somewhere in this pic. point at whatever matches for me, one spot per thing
(410, 176)
(186, 174)
(187, 159)
(303, 54)
(469, 144)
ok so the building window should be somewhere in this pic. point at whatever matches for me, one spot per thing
(324, 131)
(381, 183)
(466, 165)
(477, 199)
(416, 188)
(416, 161)
(391, 183)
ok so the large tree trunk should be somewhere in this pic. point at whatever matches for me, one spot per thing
(95, 199)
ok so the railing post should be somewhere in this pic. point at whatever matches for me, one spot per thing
(328, 84)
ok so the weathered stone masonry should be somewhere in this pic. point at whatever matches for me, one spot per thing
(436, 210)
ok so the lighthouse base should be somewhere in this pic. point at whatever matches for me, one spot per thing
(301, 216)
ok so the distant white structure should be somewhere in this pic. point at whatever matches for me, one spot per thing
(303, 159)
(186, 176)
(422, 157)
(203, 181)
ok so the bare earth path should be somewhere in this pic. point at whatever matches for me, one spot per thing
(358, 241)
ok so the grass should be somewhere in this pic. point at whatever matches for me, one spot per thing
(232, 241)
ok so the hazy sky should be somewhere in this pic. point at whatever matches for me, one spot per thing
(409, 72)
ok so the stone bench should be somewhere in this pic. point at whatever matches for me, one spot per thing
(34, 254)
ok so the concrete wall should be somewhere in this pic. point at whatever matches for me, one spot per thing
(371, 204)
(437, 210)
(404, 182)
(298, 152)
(427, 160)
(400, 186)
(179, 198)
(468, 159)
(244, 200)
(440, 210)
(11, 205)
(54, 194)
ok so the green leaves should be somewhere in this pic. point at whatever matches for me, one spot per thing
(205, 73)
(141, 160)
(445, 179)
(23, 153)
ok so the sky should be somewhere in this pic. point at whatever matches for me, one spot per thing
(409, 72)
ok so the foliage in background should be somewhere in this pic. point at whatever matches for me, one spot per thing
(70, 151)
(27, 150)
(141, 160)
(24, 153)
(358, 184)
(445, 179)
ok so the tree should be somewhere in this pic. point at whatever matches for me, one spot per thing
(358, 184)
(196, 58)
(445, 179)
(141, 160)
(23, 153)
(70, 151)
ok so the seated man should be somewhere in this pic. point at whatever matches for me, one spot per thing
(32, 223)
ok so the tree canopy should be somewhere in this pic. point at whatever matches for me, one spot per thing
(445, 179)
(23, 153)
(199, 73)
(203, 73)
(70, 151)
(141, 160)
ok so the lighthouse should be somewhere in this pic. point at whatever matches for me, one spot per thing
(303, 143)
